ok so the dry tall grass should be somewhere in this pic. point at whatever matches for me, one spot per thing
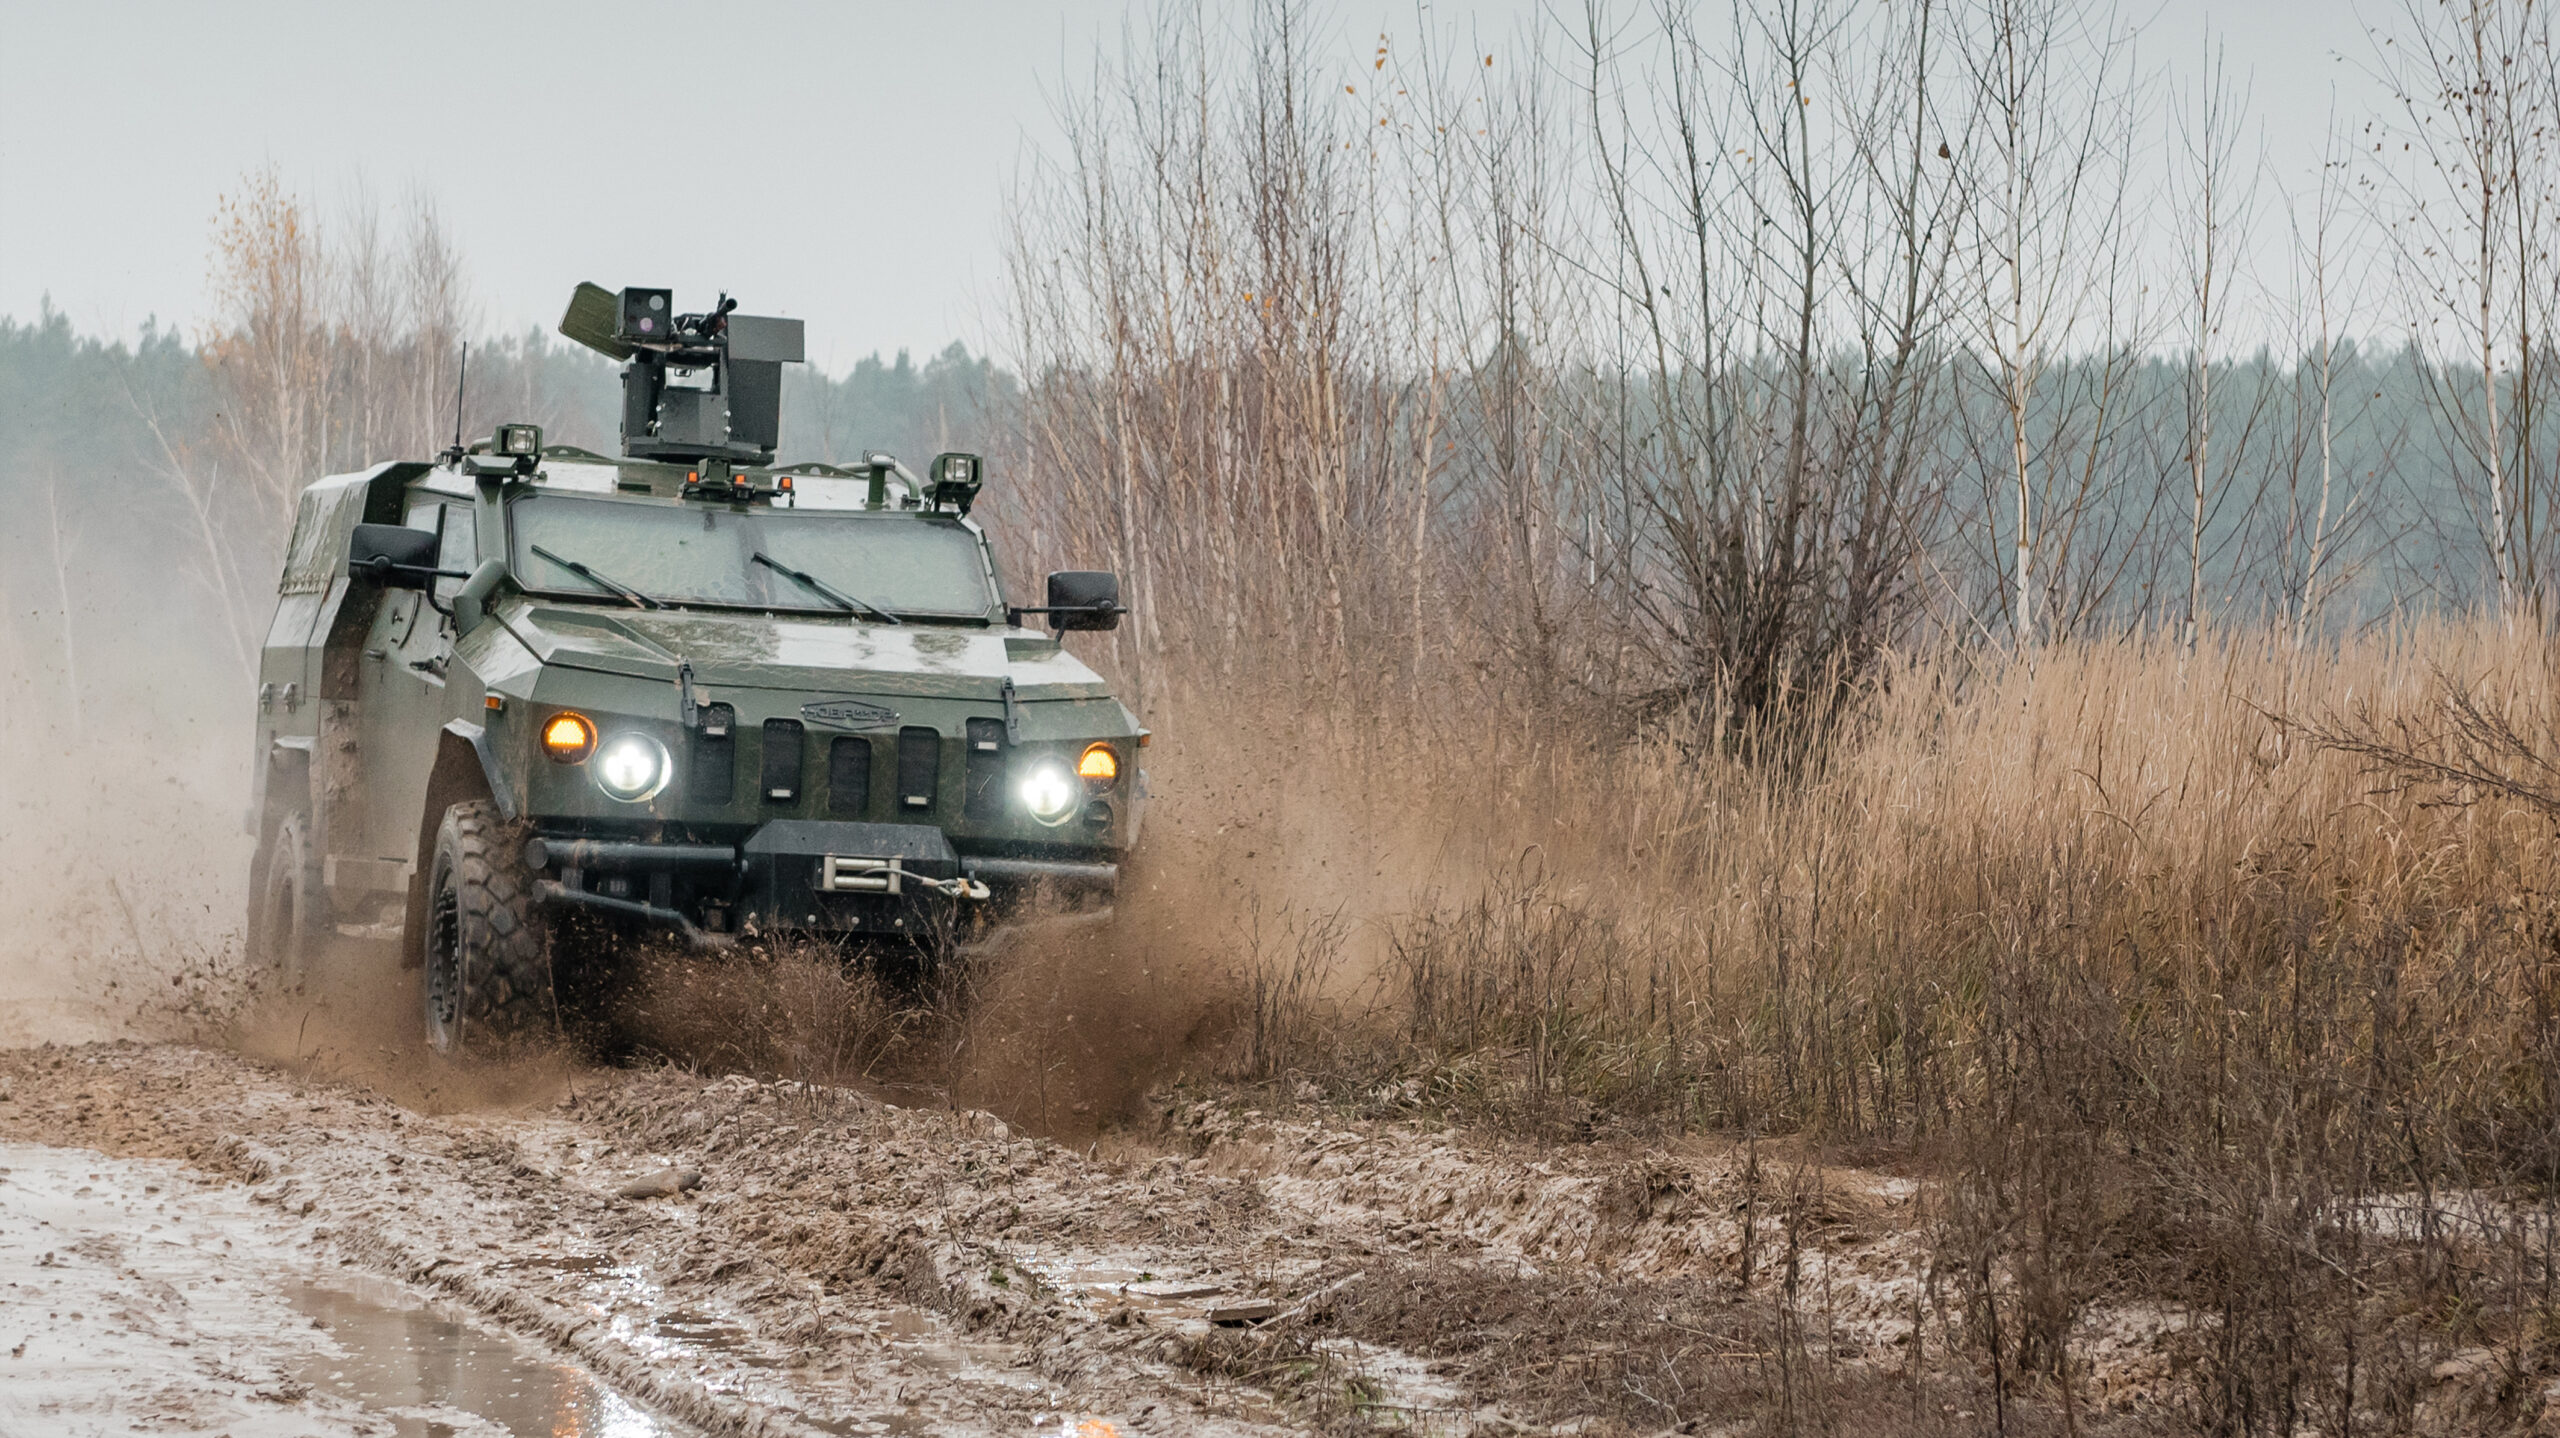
(2171, 1000)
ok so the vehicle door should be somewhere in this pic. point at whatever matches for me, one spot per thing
(401, 690)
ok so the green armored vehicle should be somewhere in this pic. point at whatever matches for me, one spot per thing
(525, 692)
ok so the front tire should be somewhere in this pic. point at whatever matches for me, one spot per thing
(486, 975)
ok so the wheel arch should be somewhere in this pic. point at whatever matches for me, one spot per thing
(466, 768)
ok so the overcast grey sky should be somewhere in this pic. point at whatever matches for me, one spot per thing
(843, 161)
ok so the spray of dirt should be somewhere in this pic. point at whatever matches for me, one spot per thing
(793, 1010)
(122, 859)
(357, 1020)
(1256, 862)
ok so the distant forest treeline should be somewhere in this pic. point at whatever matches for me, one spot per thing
(70, 397)
(107, 439)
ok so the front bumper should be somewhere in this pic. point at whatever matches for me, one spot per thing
(886, 880)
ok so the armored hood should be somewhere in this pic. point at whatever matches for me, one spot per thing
(821, 656)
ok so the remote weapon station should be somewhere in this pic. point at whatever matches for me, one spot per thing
(524, 703)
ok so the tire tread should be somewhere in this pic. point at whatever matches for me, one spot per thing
(506, 964)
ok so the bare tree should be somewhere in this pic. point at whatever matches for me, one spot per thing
(2467, 208)
(271, 350)
(2050, 150)
(1775, 232)
(2317, 259)
(332, 350)
(2217, 224)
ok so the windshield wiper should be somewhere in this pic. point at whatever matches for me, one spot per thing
(583, 572)
(846, 602)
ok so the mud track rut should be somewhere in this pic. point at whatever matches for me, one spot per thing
(847, 1262)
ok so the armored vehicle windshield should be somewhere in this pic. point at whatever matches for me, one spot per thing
(928, 567)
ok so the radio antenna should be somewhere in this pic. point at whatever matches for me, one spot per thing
(461, 375)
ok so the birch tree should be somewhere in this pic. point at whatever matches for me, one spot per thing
(2048, 155)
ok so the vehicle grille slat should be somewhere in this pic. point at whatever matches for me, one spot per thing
(919, 766)
(782, 760)
(982, 770)
(711, 770)
(849, 777)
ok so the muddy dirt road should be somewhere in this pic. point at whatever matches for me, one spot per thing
(848, 1265)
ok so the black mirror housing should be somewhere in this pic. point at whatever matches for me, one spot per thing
(392, 555)
(1084, 599)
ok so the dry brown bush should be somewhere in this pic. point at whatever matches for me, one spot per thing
(2173, 1001)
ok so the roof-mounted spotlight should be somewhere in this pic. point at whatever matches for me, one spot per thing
(512, 450)
(956, 478)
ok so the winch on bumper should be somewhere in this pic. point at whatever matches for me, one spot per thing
(812, 876)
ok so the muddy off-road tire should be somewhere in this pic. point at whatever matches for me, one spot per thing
(288, 913)
(486, 975)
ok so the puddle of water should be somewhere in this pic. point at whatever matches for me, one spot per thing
(618, 1290)
(396, 1355)
(915, 1336)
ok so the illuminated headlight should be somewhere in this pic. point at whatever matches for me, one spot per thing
(1050, 792)
(632, 767)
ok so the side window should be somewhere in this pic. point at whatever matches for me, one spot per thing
(459, 549)
(454, 526)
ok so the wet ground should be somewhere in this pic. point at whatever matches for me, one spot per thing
(192, 1242)
(437, 1373)
(145, 1297)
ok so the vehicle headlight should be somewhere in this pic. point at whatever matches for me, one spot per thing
(1049, 791)
(632, 767)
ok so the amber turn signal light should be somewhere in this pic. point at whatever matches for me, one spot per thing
(1099, 767)
(568, 737)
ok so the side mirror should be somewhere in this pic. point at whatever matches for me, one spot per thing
(392, 555)
(1084, 599)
